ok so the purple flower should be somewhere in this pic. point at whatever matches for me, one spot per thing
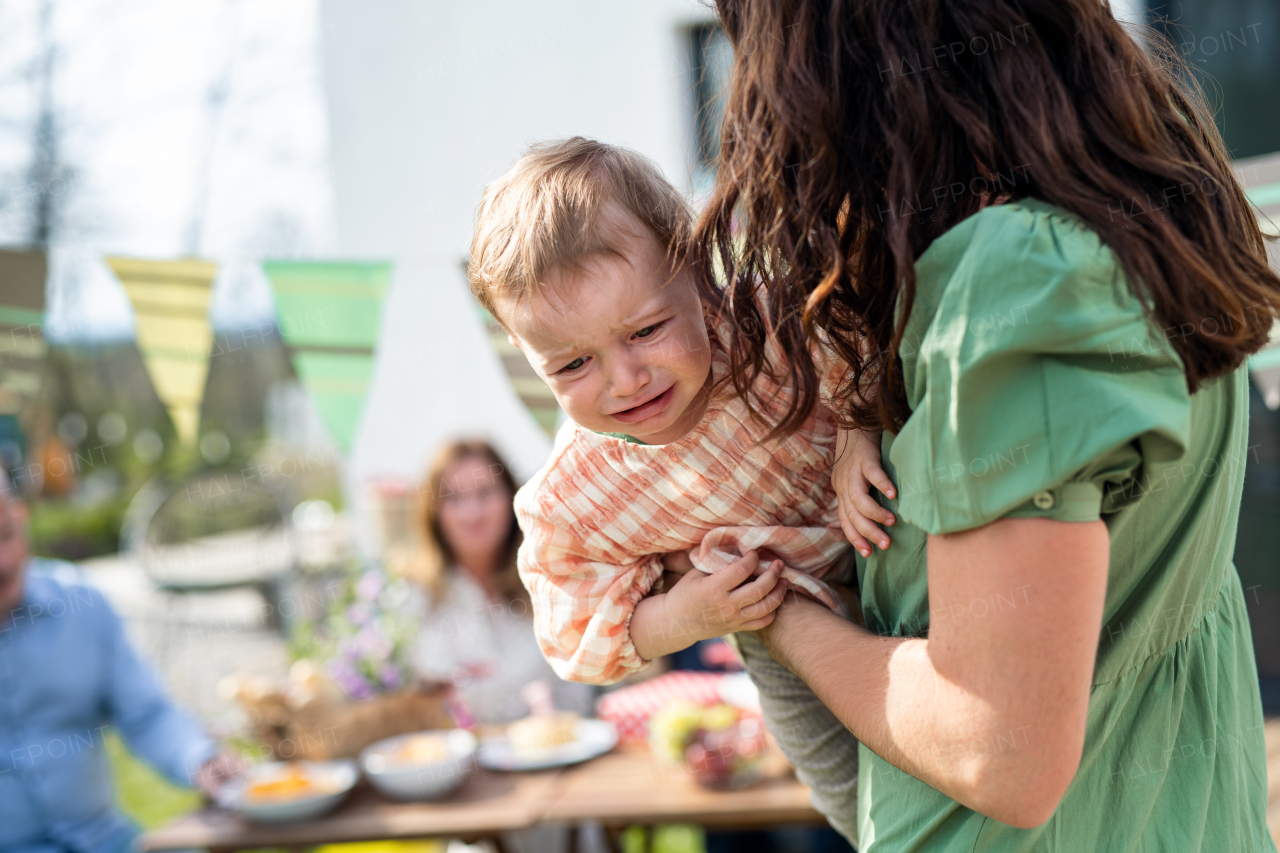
(372, 645)
(390, 677)
(360, 613)
(350, 680)
(368, 587)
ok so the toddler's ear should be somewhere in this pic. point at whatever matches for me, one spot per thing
(514, 341)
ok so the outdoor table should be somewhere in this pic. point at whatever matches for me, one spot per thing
(625, 787)
(490, 803)
(631, 786)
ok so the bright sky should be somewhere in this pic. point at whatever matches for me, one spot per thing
(132, 89)
(133, 79)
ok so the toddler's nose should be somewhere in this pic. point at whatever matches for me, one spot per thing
(629, 381)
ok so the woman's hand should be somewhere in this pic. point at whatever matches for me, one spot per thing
(990, 708)
(857, 469)
(702, 606)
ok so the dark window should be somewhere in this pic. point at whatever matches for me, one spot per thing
(1234, 47)
(712, 64)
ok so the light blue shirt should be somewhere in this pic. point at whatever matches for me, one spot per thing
(67, 673)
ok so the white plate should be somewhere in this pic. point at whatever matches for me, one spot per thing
(740, 691)
(424, 781)
(591, 738)
(340, 776)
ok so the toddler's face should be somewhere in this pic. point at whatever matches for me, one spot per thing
(621, 341)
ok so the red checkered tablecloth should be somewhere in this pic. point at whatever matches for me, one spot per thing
(629, 708)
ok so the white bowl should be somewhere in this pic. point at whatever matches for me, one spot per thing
(425, 780)
(338, 778)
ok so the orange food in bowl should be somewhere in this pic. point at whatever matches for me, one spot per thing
(295, 784)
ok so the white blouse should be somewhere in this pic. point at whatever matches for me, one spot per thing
(487, 648)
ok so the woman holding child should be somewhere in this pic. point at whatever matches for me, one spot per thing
(1057, 654)
(959, 267)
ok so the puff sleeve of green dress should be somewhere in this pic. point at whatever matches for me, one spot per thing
(1039, 387)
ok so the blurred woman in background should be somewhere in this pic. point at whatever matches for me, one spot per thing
(476, 622)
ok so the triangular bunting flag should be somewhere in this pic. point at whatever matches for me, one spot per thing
(171, 301)
(22, 345)
(330, 314)
(529, 387)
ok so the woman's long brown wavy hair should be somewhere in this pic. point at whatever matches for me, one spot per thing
(430, 560)
(858, 131)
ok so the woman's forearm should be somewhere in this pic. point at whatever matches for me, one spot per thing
(888, 694)
(990, 711)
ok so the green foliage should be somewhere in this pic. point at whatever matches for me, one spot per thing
(667, 838)
(388, 846)
(71, 531)
(679, 838)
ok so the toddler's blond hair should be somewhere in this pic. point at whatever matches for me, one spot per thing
(544, 212)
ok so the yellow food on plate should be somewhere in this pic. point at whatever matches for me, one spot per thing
(534, 734)
(421, 749)
(295, 784)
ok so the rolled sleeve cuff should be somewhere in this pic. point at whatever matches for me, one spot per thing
(1075, 501)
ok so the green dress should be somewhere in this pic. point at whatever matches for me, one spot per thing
(1038, 388)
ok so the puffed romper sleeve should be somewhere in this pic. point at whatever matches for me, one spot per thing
(583, 595)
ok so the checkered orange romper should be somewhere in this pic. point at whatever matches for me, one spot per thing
(602, 512)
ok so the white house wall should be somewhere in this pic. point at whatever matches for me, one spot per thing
(428, 101)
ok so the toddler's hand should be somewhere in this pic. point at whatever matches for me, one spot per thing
(677, 562)
(722, 603)
(856, 470)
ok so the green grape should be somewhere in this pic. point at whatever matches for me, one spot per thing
(719, 717)
(671, 728)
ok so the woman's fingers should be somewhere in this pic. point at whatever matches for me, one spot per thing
(764, 583)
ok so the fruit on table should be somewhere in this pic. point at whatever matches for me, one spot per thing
(720, 745)
(731, 757)
(671, 728)
(717, 718)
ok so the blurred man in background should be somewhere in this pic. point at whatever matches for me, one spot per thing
(67, 673)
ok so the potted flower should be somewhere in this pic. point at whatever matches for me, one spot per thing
(351, 683)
